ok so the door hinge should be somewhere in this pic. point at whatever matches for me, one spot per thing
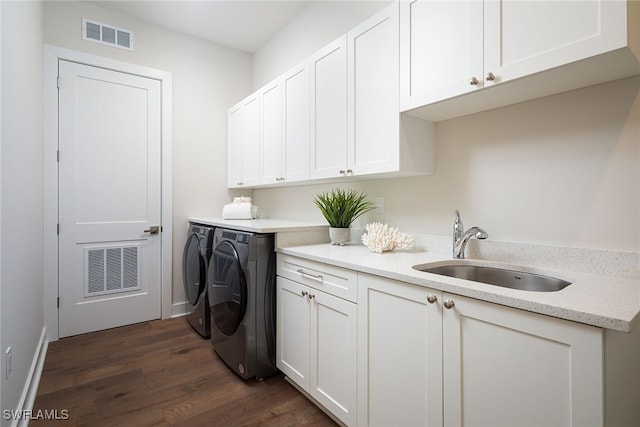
(58, 82)
(58, 156)
(58, 302)
(58, 229)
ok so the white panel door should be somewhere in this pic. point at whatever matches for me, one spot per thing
(109, 196)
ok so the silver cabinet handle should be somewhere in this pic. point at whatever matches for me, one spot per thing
(431, 298)
(305, 293)
(448, 303)
(154, 229)
(317, 277)
(474, 81)
(311, 296)
(490, 77)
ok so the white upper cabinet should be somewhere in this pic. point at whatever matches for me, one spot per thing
(336, 115)
(234, 146)
(526, 37)
(295, 95)
(449, 49)
(373, 94)
(441, 50)
(243, 143)
(271, 133)
(328, 151)
(380, 141)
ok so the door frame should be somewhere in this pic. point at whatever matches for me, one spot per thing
(52, 54)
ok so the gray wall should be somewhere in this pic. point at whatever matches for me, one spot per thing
(22, 319)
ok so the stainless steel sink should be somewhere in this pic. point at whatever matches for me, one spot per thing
(504, 277)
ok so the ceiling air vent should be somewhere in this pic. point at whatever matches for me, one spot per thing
(107, 34)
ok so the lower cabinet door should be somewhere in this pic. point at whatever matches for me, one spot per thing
(333, 339)
(292, 334)
(316, 346)
(399, 354)
(509, 367)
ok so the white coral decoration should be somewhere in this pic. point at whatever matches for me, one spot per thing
(380, 238)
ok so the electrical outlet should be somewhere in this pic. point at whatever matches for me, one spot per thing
(7, 362)
(379, 204)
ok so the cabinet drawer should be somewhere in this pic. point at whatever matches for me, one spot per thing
(337, 281)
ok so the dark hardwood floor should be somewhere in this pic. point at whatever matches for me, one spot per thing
(160, 373)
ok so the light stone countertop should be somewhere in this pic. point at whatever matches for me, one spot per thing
(609, 302)
(260, 225)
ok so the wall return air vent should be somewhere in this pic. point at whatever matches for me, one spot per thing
(107, 34)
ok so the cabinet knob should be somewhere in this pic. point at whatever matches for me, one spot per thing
(305, 293)
(490, 77)
(342, 172)
(474, 81)
(311, 296)
(350, 171)
(431, 298)
(448, 303)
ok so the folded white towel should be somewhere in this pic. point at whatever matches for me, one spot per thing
(242, 199)
(239, 211)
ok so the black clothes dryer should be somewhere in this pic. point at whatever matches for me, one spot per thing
(242, 297)
(195, 262)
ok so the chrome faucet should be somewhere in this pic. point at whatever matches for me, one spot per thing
(461, 237)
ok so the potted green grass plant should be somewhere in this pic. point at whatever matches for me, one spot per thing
(340, 208)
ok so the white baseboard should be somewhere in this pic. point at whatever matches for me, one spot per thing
(180, 309)
(30, 390)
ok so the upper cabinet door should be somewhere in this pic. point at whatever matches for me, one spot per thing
(251, 141)
(328, 156)
(373, 92)
(271, 125)
(243, 143)
(295, 93)
(526, 37)
(440, 50)
(234, 146)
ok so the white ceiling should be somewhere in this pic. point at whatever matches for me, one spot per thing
(241, 24)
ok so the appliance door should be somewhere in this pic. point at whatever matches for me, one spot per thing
(194, 270)
(227, 289)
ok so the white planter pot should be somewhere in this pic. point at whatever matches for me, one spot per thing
(339, 236)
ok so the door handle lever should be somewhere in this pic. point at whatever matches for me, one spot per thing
(154, 229)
